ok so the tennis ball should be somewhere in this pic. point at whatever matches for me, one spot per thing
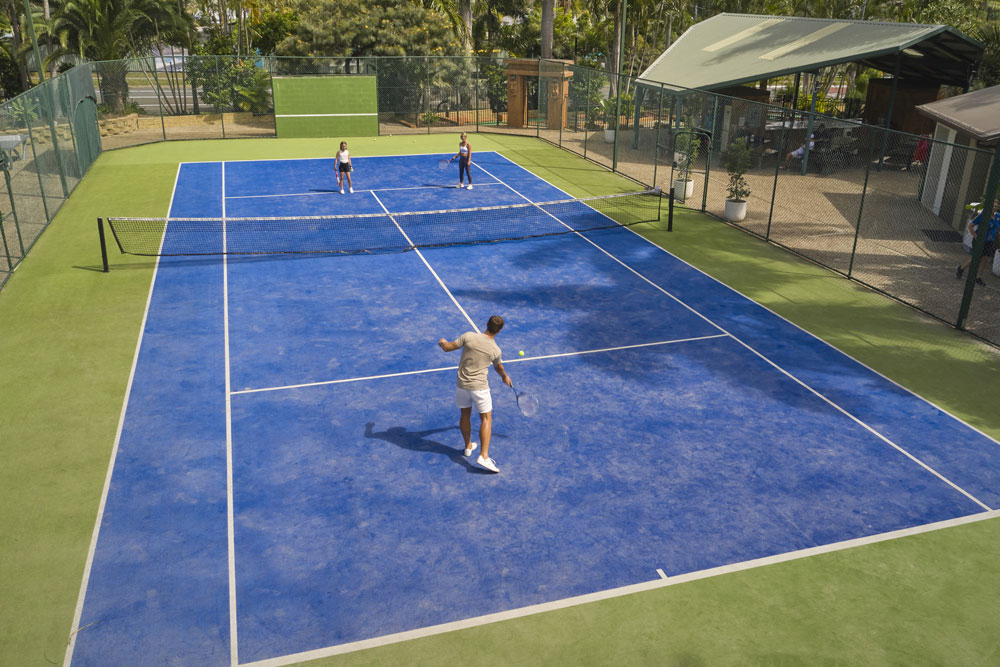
(520, 353)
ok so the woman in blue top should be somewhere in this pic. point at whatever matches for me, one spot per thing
(464, 156)
(991, 242)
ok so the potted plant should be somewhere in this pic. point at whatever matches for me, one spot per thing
(686, 145)
(737, 164)
(609, 108)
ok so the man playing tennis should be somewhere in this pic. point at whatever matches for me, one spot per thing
(479, 350)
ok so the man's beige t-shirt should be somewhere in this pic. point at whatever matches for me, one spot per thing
(479, 352)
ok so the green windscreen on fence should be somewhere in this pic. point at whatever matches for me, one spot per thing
(325, 106)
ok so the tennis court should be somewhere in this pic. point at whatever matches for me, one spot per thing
(289, 450)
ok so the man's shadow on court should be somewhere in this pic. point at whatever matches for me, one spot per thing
(416, 441)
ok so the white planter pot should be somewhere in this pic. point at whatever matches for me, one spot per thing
(683, 188)
(609, 136)
(735, 210)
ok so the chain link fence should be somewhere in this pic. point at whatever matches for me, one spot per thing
(48, 139)
(883, 208)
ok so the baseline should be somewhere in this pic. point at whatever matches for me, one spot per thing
(652, 584)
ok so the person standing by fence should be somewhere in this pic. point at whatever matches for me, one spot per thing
(991, 241)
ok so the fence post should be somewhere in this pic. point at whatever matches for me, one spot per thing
(563, 101)
(861, 210)
(586, 113)
(708, 157)
(618, 119)
(6, 248)
(656, 144)
(41, 188)
(475, 92)
(777, 171)
(222, 111)
(538, 100)
(163, 124)
(13, 206)
(979, 244)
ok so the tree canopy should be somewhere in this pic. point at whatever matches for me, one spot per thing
(585, 31)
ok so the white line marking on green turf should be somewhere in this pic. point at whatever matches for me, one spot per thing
(230, 527)
(660, 572)
(778, 315)
(451, 368)
(772, 363)
(426, 263)
(615, 592)
(71, 644)
(321, 115)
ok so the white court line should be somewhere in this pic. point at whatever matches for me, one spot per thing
(335, 192)
(661, 573)
(321, 115)
(779, 316)
(361, 157)
(78, 613)
(451, 368)
(615, 592)
(230, 525)
(426, 263)
(776, 366)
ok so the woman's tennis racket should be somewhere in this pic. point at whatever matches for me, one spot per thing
(443, 163)
(526, 403)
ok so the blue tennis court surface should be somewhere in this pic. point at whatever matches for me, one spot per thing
(289, 476)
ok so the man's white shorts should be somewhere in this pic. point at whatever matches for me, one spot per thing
(479, 399)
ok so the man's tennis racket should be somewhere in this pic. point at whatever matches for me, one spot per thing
(443, 163)
(526, 403)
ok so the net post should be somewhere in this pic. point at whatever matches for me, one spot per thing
(104, 247)
(670, 212)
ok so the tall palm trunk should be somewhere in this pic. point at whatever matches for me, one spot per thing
(465, 12)
(615, 51)
(548, 20)
(15, 25)
(48, 35)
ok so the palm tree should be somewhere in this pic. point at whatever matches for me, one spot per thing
(548, 20)
(989, 68)
(112, 30)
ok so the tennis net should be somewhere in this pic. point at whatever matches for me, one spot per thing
(379, 232)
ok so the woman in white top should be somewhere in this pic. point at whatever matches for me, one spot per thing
(464, 156)
(344, 167)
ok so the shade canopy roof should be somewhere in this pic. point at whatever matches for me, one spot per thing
(730, 49)
(976, 113)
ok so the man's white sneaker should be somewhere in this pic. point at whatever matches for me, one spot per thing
(489, 464)
(341, 190)
(352, 190)
(471, 448)
(469, 187)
